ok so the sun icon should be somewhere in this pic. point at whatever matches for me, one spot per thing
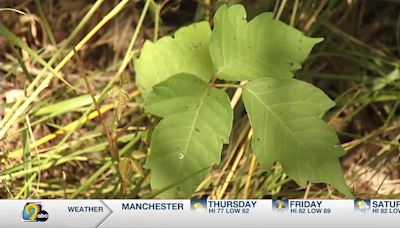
(196, 205)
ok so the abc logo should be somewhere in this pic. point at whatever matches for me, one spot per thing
(33, 213)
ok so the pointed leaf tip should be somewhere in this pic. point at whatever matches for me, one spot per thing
(285, 118)
(263, 47)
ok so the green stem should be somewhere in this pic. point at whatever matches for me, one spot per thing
(45, 22)
(228, 85)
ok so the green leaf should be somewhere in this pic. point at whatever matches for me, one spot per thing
(285, 118)
(197, 120)
(260, 48)
(187, 52)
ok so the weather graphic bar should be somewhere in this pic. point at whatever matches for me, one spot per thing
(200, 213)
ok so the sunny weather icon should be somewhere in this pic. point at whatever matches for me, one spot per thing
(199, 205)
(362, 205)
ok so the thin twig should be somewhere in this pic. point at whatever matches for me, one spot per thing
(253, 163)
(113, 148)
(281, 7)
(294, 12)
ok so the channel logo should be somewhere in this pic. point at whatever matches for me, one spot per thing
(199, 205)
(33, 212)
(280, 205)
(362, 205)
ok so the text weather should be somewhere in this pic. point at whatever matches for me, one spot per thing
(33, 212)
(308, 207)
(224, 206)
(385, 206)
(155, 206)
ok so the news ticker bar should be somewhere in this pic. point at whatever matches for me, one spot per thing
(200, 213)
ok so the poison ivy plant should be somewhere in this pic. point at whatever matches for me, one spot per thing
(285, 114)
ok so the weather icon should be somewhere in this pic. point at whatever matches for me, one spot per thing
(280, 204)
(362, 205)
(198, 205)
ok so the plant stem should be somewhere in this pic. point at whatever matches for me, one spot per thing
(228, 85)
(113, 149)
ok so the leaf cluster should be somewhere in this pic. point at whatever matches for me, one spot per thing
(174, 75)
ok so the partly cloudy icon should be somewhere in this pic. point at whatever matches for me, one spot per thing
(362, 205)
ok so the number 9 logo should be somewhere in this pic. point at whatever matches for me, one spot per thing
(33, 213)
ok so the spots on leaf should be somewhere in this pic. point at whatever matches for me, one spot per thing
(196, 46)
